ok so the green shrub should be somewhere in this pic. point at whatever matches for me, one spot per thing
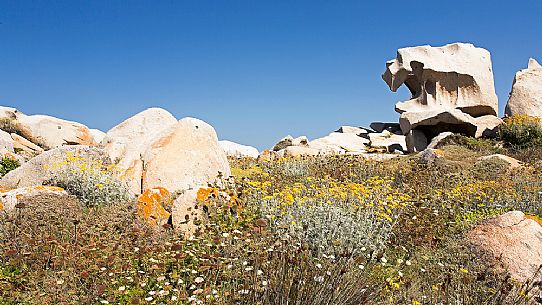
(521, 131)
(7, 164)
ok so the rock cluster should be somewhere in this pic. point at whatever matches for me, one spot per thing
(152, 152)
(345, 140)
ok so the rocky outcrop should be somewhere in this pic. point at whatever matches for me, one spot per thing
(236, 150)
(336, 143)
(50, 132)
(388, 141)
(44, 131)
(184, 156)
(355, 130)
(452, 89)
(526, 95)
(511, 242)
(454, 76)
(434, 122)
(43, 167)
(391, 127)
(290, 141)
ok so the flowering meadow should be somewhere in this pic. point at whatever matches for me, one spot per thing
(311, 230)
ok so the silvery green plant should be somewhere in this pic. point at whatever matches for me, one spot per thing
(91, 182)
(293, 168)
(333, 229)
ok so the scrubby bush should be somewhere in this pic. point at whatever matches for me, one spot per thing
(91, 181)
(521, 131)
(8, 163)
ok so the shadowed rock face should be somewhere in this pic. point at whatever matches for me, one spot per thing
(452, 89)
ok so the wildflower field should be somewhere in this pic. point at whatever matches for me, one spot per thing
(312, 230)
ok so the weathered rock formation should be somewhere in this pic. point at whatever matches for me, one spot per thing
(44, 131)
(526, 95)
(452, 89)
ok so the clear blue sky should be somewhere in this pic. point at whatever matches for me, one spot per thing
(255, 70)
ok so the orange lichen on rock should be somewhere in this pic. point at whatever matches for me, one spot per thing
(152, 204)
(535, 218)
(205, 193)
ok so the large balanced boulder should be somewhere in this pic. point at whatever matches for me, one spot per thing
(184, 156)
(526, 95)
(128, 141)
(512, 240)
(43, 167)
(237, 150)
(452, 89)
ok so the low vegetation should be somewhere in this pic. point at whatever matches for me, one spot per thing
(314, 230)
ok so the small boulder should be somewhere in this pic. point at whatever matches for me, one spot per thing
(290, 141)
(430, 155)
(236, 150)
(511, 240)
(188, 214)
(6, 143)
(437, 141)
(153, 205)
(10, 198)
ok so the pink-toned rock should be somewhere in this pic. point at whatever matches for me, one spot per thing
(512, 241)
(184, 156)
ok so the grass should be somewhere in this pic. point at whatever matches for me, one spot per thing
(318, 230)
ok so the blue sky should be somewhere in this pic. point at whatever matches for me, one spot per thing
(255, 70)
